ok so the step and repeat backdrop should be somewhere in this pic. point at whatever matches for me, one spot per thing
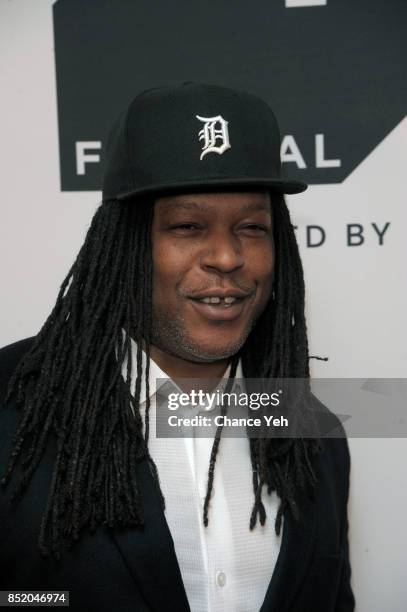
(334, 73)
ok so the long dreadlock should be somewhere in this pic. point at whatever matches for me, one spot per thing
(70, 389)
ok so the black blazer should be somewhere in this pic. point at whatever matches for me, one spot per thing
(137, 570)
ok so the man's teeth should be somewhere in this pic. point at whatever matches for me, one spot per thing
(227, 301)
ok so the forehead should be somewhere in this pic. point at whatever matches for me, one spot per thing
(225, 202)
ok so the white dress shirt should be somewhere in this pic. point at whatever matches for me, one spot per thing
(225, 567)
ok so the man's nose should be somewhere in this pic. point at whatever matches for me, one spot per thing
(222, 251)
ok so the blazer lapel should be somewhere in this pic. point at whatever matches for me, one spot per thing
(149, 553)
(297, 545)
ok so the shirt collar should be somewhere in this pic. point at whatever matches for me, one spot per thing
(157, 373)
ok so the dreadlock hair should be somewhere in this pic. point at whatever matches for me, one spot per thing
(70, 390)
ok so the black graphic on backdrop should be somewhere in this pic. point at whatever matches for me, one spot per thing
(333, 74)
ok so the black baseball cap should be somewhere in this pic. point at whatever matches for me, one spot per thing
(194, 135)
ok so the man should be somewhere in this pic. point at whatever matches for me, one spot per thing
(190, 269)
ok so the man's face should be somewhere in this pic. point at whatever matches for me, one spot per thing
(210, 247)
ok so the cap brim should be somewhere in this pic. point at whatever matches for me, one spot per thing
(281, 186)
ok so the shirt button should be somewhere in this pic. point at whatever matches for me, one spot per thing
(221, 579)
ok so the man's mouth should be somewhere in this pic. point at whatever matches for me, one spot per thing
(225, 302)
(220, 308)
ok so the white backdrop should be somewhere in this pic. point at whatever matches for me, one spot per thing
(357, 296)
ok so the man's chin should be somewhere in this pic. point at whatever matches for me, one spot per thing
(210, 357)
(199, 353)
(197, 347)
(205, 353)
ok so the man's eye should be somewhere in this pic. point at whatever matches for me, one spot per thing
(259, 229)
(186, 226)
